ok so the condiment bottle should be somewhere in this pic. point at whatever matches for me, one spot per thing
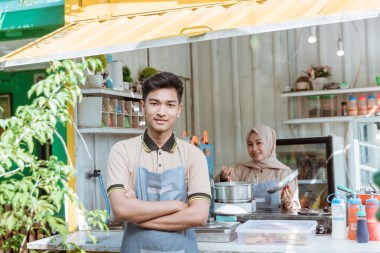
(338, 214)
(371, 207)
(353, 208)
(371, 105)
(362, 235)
(344, 108)
(362, 105)
(352, 106)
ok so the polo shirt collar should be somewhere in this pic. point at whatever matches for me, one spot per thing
(150, 146)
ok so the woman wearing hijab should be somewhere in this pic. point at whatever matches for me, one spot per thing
(265, 170)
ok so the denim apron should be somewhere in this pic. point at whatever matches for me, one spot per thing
(150, 186)
(264, 199)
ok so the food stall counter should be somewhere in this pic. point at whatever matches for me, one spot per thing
(111, 241)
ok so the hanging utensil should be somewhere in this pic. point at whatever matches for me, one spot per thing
(345, 189)
(284, 182)
(372, 186)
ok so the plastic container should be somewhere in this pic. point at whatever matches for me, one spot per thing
(328, 103)
(314, 106)
(352, 106)
(338, 216)
(353, 208)
(362, 105)
(294, 232)
(371, 105)
(362, 234)
(371, 207)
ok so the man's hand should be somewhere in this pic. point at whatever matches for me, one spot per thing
(129, 192)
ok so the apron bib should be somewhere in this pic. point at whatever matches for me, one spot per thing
(150, 186)
(264, 199)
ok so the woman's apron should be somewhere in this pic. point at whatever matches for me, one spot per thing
(263, 198)
(150, 186)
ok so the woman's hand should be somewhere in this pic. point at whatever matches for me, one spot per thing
(226, 174)
(286, 197)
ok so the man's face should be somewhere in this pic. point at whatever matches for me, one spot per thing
(161, 110)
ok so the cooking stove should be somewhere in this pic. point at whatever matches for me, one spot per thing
(323, 217)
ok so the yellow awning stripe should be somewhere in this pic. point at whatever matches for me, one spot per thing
(148, 24)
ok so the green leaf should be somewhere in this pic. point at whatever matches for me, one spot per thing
(30, 145)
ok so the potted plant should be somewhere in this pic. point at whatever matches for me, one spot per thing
(148, 72)
(97, 65)
(127, 79)
(318, 75)
(33, 189)
(145, 73)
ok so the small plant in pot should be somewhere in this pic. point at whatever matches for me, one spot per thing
(148, 72)
(97, 65)
(302, 83)
(318, 76)
(127, 79)
(145, 73)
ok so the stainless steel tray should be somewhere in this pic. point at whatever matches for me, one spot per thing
(217, 232)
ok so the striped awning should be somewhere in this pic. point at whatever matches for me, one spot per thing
(118, 27)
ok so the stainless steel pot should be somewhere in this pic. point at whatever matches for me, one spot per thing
(233, 192)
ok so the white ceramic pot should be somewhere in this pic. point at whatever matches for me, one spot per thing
(95, 81)
(319, 82)
(126, 85)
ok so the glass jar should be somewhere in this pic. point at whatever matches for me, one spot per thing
(314, 108)
(328, 105)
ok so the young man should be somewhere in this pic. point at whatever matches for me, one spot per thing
(157, 183)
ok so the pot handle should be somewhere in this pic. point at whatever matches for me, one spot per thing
(212, 188)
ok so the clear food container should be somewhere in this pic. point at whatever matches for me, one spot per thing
(328, 105)
(314, 107)
(294, 232)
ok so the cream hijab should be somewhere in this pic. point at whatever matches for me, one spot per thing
(268, 135)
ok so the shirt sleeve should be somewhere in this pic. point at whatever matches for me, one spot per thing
(118, 169)
(198, 176)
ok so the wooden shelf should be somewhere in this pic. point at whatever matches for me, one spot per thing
(111, 130)
(330, 91)
(111, 93)
(329, 119)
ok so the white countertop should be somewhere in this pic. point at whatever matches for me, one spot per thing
(111, 241)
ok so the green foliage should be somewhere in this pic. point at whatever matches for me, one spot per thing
(97, 63)
(31, 200)
(148, 72)
(376, 180)
(127, 74)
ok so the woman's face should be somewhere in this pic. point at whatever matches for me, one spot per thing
(256, 147)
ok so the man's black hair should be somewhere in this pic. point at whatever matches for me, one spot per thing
(160, 81)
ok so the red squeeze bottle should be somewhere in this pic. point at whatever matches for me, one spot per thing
(352, 208)
(371, 207)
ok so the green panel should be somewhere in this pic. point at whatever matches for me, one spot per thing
(31, 22)
(33, 18)
(18, 85)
